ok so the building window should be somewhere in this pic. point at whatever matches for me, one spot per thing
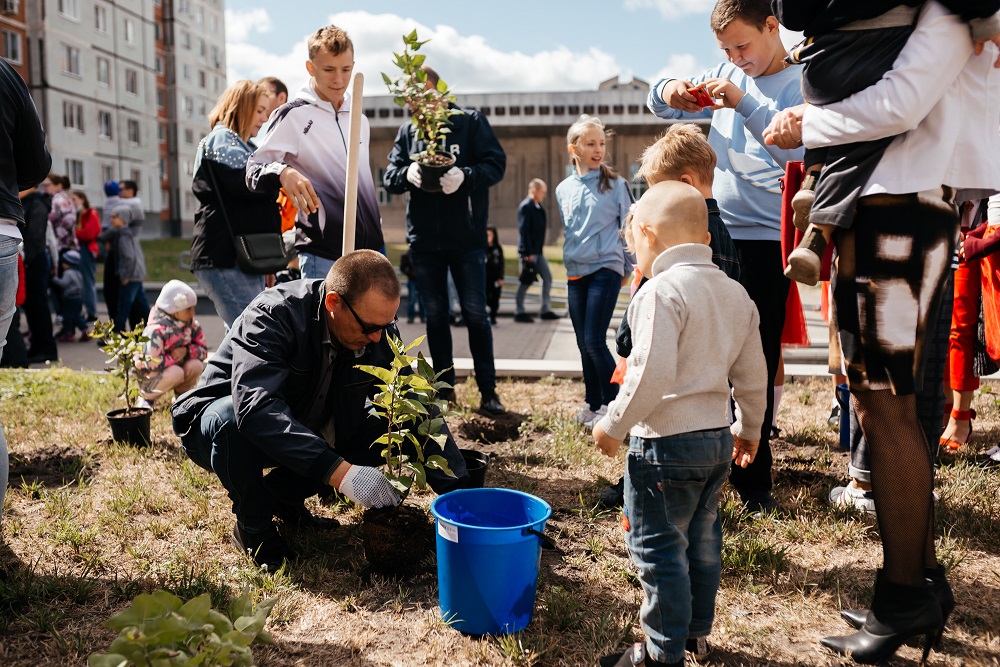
(544, 110)
(73, 116)
(74, 170)
(157, 35)
(101, 18)
(602, 109)
(216, 83)
(103, 71)
(201, 79)
(188, 106)
(499, 111)
(187, 72)
(558, 110)
(397, 113)
(161, 133)
(202, 49)
(11, 6)
(574, 109)
(104, 124)
(129, 31)
(135, 175)
(515, 111)
(71, 9)
(71, 60)
(131, 81)
(12, 47)
(159, 65)
(188, 136)
(588, 108)
(215, 56)
(633, 109)
(184, 7)
(159, 99)
(199, 16)
(213, 23)
(133, 132)
(107, 173)
(163, 169)
(529, 110)
(618, 109)
(186, 40)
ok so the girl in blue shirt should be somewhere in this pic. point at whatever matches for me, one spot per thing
(594, 203)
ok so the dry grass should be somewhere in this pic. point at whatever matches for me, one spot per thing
(89, 524)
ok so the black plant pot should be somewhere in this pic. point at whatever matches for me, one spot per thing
(131, 427)
(430, 174)
(476, 462)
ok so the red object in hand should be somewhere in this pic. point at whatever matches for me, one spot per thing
(702, 97)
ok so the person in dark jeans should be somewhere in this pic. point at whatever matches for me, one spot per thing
(37, 270)
(446, 231)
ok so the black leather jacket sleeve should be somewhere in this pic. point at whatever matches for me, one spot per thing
(24, 159)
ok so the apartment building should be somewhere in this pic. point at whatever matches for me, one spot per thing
(14, 35)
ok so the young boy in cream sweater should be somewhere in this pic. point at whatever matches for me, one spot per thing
(673, 400)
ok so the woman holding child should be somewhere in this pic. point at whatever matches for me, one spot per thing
(594, 203)
(892, 263)
(227, 206)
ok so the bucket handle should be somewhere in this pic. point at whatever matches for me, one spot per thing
(547, 542)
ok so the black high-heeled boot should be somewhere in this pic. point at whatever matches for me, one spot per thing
(942, 591)
(898, 613)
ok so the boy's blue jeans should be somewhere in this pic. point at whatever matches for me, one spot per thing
(675, 536)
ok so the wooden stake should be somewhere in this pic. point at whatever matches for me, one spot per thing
(353, 153)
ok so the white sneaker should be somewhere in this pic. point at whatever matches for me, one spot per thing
(586, 415)
(601, 411)
(850, 495)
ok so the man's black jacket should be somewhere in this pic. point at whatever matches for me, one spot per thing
(531, 228)
(270, 361)
(24, 160)
(434, 220)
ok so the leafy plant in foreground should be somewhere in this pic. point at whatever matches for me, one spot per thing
(127, 349)
(160, 629)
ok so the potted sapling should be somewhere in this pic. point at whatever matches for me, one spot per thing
(126, 350)
(430, 111)
(396, 539)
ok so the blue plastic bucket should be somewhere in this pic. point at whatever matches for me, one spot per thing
(488, 558)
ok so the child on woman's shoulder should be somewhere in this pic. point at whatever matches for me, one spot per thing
(176, 344)
(674, 401)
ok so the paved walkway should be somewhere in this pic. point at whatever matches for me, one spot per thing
(521, 350)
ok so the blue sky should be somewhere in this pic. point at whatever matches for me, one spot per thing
(512, 45)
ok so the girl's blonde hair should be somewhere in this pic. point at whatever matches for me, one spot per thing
(237, 107)
(574, 137)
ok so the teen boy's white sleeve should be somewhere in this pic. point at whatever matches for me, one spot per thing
(651, 368)
(931, 60)
(748, 375)
(278, 150)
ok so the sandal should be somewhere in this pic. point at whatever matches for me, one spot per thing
(959, 415)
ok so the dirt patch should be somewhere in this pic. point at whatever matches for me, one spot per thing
(491, 430)
(50, 467)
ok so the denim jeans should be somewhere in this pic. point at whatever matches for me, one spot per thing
(542, 267)
(591, 301)
(313, 266)
(672, 489)
(468, 268)
(88, 269)
(130, 296)
(8, 292)
(230, 290)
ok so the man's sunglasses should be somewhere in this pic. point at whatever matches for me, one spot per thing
(367, 329)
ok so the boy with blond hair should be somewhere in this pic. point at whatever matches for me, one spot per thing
(674, 401)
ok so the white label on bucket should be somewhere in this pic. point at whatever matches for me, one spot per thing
(448, 531)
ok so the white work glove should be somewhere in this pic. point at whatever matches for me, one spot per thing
(452, 180)
(369, 487)
(413, 174)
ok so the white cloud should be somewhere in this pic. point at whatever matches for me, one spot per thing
(670, 9)
(241, 23)
(469, 63)
(680, 66)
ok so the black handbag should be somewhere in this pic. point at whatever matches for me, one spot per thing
(257, 254)
(529, 274)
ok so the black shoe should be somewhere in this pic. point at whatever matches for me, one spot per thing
(942, 591)
(636, 657)
(91, 318)
(268, 549)
(42, 358)
(524, 317)
(898, 613)
(612, 496)
(492, 405)
(759, 503)
(549, 315)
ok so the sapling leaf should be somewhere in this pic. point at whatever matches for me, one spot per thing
(107, 660)
(197, 609)
(414, 343)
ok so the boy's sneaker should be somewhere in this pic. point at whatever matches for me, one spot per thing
(585, 416)
(802, 203)
(601, 411)
(635, 657)
(805, 261)
(853, 496)
(834, 419)
(698, 647)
